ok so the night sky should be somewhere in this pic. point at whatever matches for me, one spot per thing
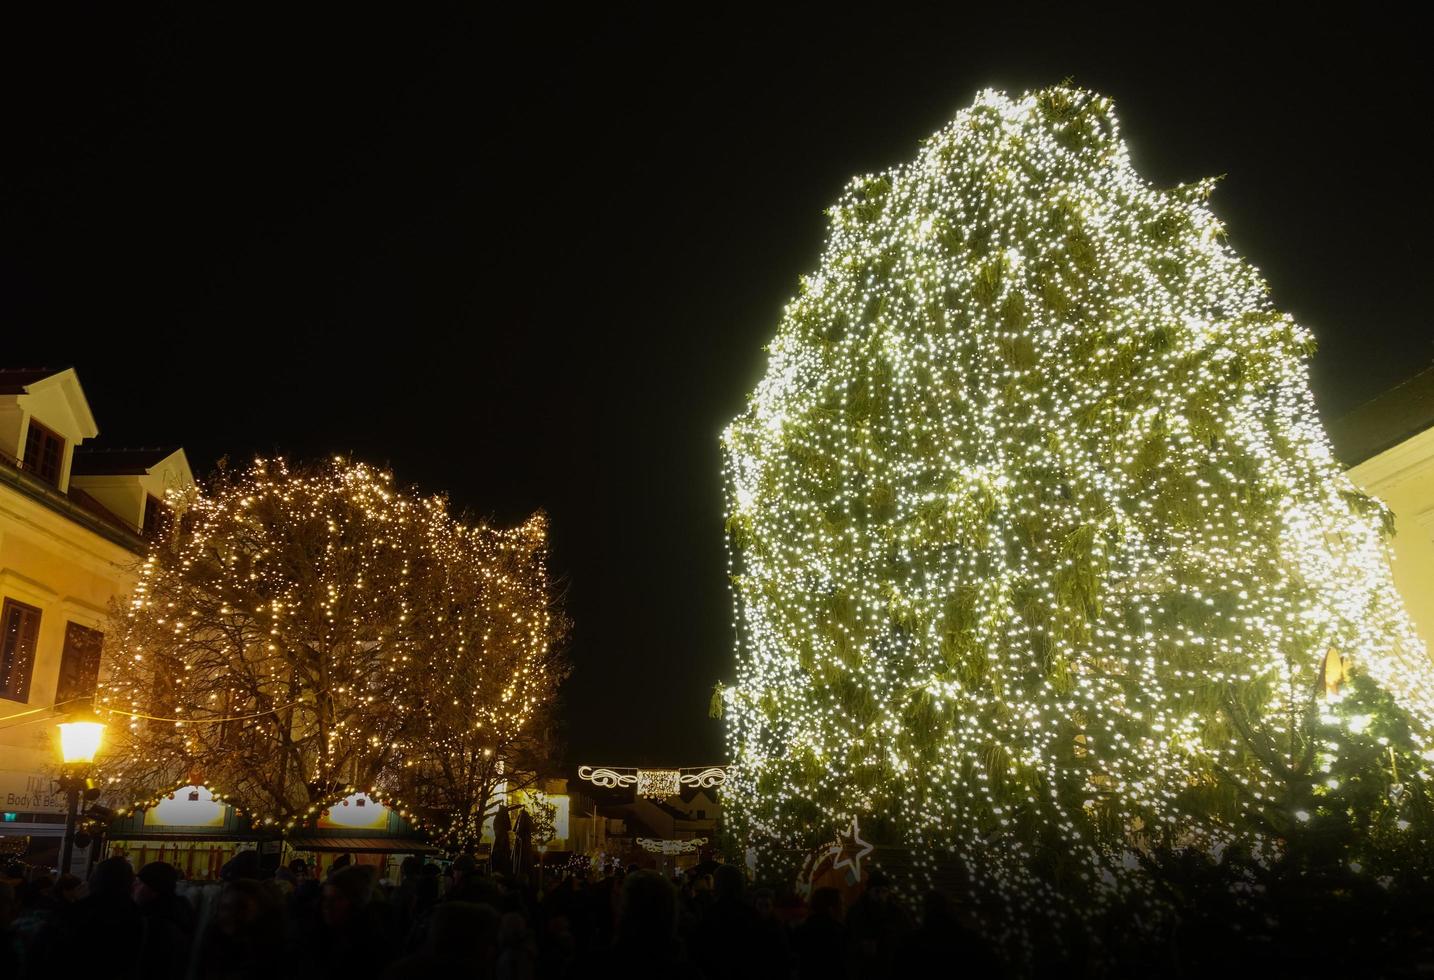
(532, 260)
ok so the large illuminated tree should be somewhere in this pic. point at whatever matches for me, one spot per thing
(1041, 557)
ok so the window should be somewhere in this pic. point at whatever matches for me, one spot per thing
(156, 518)
(19, 629)
(44, 453)
(80, 663)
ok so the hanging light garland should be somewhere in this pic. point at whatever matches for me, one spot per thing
(658, 783)
(654, 845)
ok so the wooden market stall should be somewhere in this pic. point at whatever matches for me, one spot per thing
(362, 828)
(191, 830)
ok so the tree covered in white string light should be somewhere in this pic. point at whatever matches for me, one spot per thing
(310, 631)
(1041, 557)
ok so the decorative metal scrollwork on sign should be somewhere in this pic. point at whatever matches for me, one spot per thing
(706, 779)
(606, 778)
(656, 783)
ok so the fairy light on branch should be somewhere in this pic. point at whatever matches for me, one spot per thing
(311, 630)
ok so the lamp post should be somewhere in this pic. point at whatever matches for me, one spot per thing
(80, 735)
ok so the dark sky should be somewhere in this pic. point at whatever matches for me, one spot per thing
(532, 259)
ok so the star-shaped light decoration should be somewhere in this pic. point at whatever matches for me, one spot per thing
(850, 849)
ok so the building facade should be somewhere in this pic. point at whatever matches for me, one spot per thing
(74, 523)
(1388, 445)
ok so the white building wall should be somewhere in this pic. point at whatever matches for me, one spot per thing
(1403, 477)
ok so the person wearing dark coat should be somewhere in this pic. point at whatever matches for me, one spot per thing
(731, 939)
(245, 937)
(96, 935)
(470, 885)
(352, 937)
(821, 942)
(646, 933)
(168, 921)
(879, 927)
(945, 939)
(12, 944)
(460, 939)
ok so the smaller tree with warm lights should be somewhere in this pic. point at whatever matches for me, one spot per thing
(310, 631)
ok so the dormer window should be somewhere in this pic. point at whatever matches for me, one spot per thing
(156, 517)
(44, 453)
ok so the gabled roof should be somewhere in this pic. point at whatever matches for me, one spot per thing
(15, 381)
(636, 826)
(1386, 420)
(34, 381)
(690, 793)
(670, 810)
(118, 462)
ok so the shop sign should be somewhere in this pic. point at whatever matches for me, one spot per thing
(29, 792)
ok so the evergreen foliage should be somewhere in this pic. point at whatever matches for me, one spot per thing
(1042, 562)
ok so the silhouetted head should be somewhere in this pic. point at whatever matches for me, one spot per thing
(244, 865)
(69, 888)
(156, 880)
(112, 878)
(425, 891)
(463, 868)
(247, 908)
(728, 882)
(649, 908)
(878, 887)
(346, 893)
(826, 902)
(763, 900)
(463, 932)
(936, 909)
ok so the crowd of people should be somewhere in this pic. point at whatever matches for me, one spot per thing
(461, 921)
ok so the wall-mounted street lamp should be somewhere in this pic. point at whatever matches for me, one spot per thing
(80, 736)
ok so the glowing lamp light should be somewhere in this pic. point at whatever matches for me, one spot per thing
(80, 739)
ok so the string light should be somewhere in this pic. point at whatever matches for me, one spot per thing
(1034, 529)
(309, 632)
(657, 845)
(654, 782)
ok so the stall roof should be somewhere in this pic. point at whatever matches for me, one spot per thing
(389, 845)
(157, 836)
